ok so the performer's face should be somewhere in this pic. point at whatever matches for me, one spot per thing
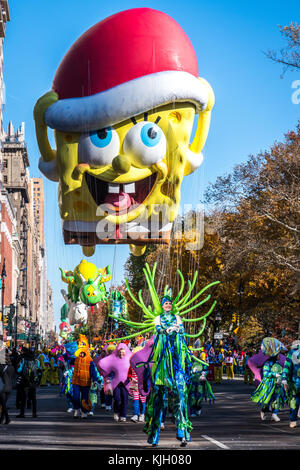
(167, 306)
(121, 353)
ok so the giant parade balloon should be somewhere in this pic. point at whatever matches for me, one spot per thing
(122, 107)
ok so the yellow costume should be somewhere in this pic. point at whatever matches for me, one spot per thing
(230, 362)
(44, 364)
(218, 366)
(53, 372)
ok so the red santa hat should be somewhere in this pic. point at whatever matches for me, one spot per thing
(127, 64)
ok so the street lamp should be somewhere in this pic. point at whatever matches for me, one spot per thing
(218, 319)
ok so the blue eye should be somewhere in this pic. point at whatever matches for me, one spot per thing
(101, 138)
(98, 148)
(146, 144)
(150, 134)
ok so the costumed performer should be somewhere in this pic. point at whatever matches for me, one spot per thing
(291, 381)
(199, 389)
(84, 373)
(170, 356)
(270, 393)
(114, 368)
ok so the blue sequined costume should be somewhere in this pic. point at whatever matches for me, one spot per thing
(171, 373)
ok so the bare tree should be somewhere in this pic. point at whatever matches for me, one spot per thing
(289, 56)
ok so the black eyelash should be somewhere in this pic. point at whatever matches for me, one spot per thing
(146, 119)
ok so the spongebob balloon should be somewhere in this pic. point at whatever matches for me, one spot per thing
(122, 107)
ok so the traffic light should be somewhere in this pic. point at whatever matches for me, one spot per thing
(12, 309)
(234, 317)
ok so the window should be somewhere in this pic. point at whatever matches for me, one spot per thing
(4, 179)
(5, 163)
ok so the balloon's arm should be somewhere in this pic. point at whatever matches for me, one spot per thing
(194, 157)
(43, 103)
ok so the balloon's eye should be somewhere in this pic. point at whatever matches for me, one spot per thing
(99, 147)
(101, 138)
(150, 134)
(145, 143)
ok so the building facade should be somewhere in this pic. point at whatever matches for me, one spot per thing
(27, 199)
(4, 17)
(24, 288)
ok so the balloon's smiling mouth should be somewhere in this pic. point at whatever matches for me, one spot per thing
(120, 198)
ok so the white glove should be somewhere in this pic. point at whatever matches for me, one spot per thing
(175, 328)
(170, 330)
(285, 385)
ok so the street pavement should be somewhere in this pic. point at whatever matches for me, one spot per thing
(231, 423)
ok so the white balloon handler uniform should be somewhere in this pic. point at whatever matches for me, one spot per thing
(230, 362)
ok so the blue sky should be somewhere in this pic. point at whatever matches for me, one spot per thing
(253, 104)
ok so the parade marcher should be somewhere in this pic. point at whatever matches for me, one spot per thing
(53, 368)
(218, 365)
(170, 357)
(230, 362)
(67, 389)
(211, 355)
(28, 379)
(84, 373)
(248, 374)
(291, 381)
(4, 417)
(95, 388)
(44, 364)
(139, 401)
(114, 369)
(240, 362)
(7, 376)
(169, 371)
(120, 392)
(270, 393)
(61, 370)
(199, 390)
(107, 390)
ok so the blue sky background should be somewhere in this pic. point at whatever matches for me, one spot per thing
(253, 104)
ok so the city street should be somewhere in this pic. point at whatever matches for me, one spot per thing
(232, 423)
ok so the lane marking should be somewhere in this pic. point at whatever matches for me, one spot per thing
(217, 443)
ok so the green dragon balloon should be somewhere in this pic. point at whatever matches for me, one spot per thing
(86, 283)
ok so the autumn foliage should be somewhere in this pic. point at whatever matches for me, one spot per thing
(251, 244)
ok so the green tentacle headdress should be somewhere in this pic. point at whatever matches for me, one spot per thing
(181, 305)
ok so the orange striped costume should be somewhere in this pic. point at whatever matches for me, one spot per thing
(81, 374)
